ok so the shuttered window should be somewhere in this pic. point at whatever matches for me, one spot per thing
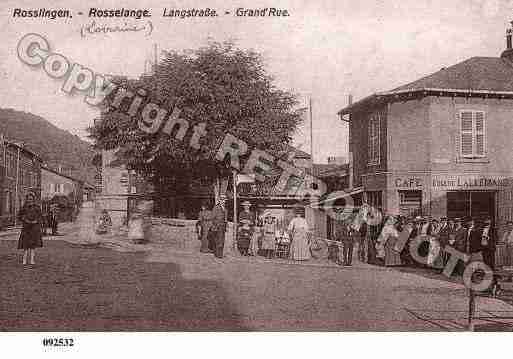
(472, 134)
(374, 139)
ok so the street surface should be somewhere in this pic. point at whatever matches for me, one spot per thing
(86, 287)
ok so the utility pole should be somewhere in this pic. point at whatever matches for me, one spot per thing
(314, 223)
(16, 199)
(311, 129)
(155, 54)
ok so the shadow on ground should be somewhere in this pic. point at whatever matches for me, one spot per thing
(73, 288)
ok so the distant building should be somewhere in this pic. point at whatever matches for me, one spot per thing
(55, 183)
(337, 160)
(20, 173)
(117, 187)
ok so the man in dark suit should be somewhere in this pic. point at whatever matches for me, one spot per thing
(443, 238)
(219, 226)
(460, 244)
(473, 240)
(488, 242)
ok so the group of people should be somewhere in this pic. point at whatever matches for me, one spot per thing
(265, 236)
(255, 236)
(35, 221)
(377, 243)
(50, 219)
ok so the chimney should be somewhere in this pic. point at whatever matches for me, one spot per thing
(508, 53)
(349, 100)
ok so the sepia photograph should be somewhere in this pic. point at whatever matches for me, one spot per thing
(285, 166)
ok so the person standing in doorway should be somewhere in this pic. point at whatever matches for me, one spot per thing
(473, 241)
(219, 226)
(488, 242)
(31, 237)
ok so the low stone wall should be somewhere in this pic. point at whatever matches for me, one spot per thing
(181, 234)
(177, 233)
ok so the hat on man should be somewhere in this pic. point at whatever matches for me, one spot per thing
(246, 203)
(457, 220)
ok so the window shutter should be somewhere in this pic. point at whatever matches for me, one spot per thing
(466, 133)
(480, 134)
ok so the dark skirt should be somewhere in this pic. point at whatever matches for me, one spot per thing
(30, 237)
(244, 239)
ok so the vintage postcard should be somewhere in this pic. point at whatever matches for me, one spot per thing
(241, 166)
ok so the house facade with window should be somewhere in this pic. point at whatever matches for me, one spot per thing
(441, 145)
(55, 183)
(20, 173)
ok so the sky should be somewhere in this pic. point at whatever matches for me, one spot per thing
(325, 50)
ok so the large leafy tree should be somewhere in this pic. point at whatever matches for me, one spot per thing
(220, 85)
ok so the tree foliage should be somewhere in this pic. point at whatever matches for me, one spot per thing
(223, 86)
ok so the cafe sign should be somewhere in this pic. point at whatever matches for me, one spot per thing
(408, 182)
(469, 182)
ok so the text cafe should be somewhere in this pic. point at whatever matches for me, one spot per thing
(407, 194)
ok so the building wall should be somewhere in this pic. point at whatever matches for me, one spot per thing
(114, 194)
(423, 152)
(12, 181)
(409, 136)
(447, 165)
(358, 128)
(409, 151)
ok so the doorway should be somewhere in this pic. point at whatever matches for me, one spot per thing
(476, 204)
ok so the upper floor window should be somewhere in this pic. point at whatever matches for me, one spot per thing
(472, 134)
(374, 139)
(10, 166)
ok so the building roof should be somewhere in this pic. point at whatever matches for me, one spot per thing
(60, 174)
(22, 147)
(477, 73)
(330, 169)
(486, 76)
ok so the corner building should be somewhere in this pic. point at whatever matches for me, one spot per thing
(441, 145)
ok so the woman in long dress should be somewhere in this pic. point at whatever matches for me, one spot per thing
(391, 235)
(257, 233)
(299, 232)
(31, 235)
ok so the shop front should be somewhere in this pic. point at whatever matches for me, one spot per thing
(466, 195)
(400, 193)
(437, 195)
(407, 194)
